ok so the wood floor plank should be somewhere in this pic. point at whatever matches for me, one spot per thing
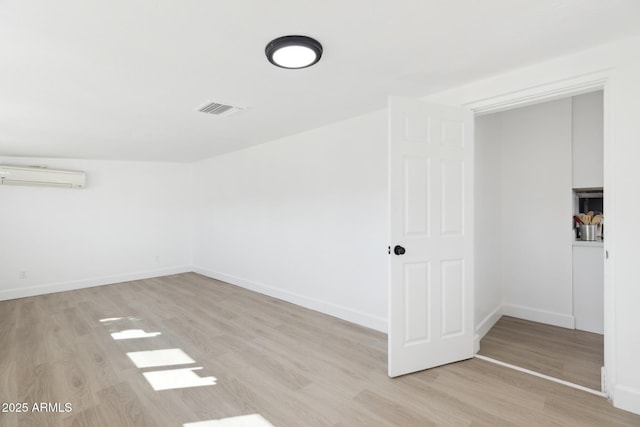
(121, 406)
(391, 411)
(8, 383)
(567, 354)
(293, 366)
(89, 417)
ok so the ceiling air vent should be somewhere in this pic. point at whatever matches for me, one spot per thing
(218, 109)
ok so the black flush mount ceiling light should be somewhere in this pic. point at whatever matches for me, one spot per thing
(293, 52)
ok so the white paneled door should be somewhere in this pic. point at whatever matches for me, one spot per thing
(431, 230)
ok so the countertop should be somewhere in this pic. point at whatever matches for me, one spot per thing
(596, 244)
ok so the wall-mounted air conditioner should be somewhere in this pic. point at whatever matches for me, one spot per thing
(31, 175)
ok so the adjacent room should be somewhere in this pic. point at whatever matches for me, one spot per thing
(537, 167)
(354, 213)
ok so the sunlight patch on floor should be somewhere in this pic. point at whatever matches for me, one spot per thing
(133, 333)
(165, 379)
(155, 358)
(111, 319)
(177, 378)
(115, 319)
(253, 420)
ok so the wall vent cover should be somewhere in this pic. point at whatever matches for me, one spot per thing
(218, 109)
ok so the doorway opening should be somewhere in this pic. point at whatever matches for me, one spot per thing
(539, 288)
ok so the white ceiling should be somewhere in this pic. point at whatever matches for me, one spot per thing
(120, 79)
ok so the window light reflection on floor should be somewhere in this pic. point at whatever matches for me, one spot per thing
(155, 358)
(115, 319)
(133, 333)
(177, 378)
(111, 319)
(253, 420)
(166, 379)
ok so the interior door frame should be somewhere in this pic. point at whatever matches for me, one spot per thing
(562, 89)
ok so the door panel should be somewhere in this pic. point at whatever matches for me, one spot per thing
(452, 298)
(416, 292)
(452, 198)
(430, 198)
(416, 208)
(453, 134)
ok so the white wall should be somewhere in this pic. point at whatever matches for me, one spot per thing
(112, 231)
(623, 174)
(619, 63)
(302, 218)
(536, 212)
(488, 229)
(523, 211)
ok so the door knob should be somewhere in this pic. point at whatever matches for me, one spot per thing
(398, 250)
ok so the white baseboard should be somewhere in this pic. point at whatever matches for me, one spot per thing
(344, 313)
(627, 398)
(485, 325)
(89, 283)
(542, 316)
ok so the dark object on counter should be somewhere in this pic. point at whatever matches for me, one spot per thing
(588, 232)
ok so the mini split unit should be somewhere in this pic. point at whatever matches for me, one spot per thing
(33, 175)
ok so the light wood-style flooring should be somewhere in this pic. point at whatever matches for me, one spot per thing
(567, 354)
(292, 366)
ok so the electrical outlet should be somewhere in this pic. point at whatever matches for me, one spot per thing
(23, 274)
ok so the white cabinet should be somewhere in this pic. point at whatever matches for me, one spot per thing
(588, 287)
(587, 137)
